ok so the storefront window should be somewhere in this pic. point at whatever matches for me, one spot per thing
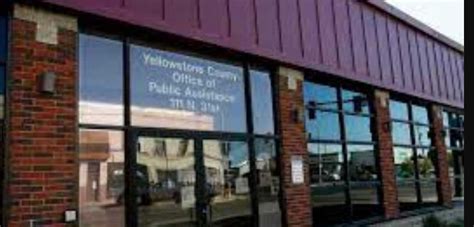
(343, 172)
(165, 182)
(268, 184)
(414, 155)
(101, 178)
(454, 128)
(227, 175)
(3, 38)
(101, 81)
(262, 103)
(188, 128)
(186, 92)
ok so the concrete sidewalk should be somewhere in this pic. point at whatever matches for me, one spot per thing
(450, 215)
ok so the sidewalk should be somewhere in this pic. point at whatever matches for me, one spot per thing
(450, 215)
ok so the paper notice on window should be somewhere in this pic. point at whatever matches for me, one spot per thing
(241, 186)
(188, 199)
(297, 170)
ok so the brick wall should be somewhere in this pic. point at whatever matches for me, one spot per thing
(42, 143)
(442, 165)
(385, 154)
(296, 197)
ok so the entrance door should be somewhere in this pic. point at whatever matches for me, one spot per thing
(192, 181)
(165, 182)
(228, 174)
(93, 184)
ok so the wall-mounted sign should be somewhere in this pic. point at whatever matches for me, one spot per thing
(297, 170)
(241, 186)
(177, 91)
(188, 199)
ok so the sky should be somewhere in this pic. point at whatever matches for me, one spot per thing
(445, 16)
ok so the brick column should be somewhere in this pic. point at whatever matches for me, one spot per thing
(291, 105)
(385, 155)
(42, 172)
(442, 165)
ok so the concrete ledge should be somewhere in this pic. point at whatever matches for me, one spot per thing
(445, 215)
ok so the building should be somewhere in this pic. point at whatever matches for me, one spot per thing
(225, 112)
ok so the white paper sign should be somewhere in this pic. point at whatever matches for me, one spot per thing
(297, 172)
(241, 186)
(188, 200)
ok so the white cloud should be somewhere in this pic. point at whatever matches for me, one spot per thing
(445, 16)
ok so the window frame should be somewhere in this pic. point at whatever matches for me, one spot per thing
(416, 180)
(341, 111)
(131, 132)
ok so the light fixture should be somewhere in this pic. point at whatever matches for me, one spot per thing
(48, 83)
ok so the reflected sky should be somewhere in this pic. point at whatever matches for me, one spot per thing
(262, 103)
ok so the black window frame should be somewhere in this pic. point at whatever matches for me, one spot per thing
(457, 179)
(131, 132)
(415, 147)
(5, 13)
(341, 86)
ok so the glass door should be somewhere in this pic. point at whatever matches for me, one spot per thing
(165, 181)
(228, 174)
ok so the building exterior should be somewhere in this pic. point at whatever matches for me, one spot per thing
(225, 113)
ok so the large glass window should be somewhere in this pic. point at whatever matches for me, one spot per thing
(414, 155)
(101, 178)
(343, 170)
(3, 37)
(165, 182)
(186, 92)
(196, 158)
(454, 128)
(262, 102)
(101, 81)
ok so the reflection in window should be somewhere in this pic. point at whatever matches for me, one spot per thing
(420, 115)
(422, 135)
(358, 128)
(165, 182)
(2, 92)
(401, 133)
(324, 127)
(326, 163)
(101, 178)
(404, 163)
(268, 183)
(227, 175)
(327, 183)
(426, 160)
(405, 175)
(399, 110)
(454, 127)
(262, 103)
(186, 92)
(355, 102)
(362, 165)
(320, 96)
(3, 38)
(101, 81)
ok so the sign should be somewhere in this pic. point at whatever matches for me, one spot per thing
(297, 170)
(241, 186)
(188, 199)
(166, 83)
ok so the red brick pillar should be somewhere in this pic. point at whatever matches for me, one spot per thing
(42, 172)
(297, 197)
(442, 165)
(385, 155)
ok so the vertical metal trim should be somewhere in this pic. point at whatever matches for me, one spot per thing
(345, 152)
(415, 152)
(251, 144)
